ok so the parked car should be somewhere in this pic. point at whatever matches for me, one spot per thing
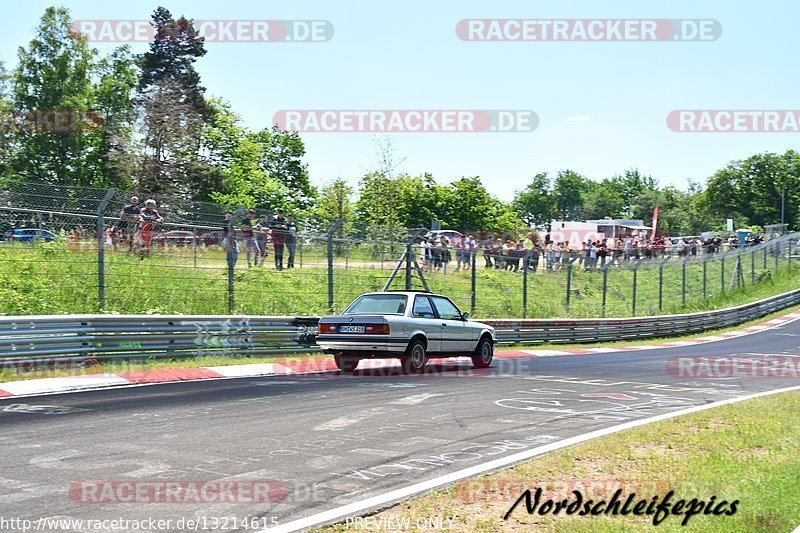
(455, 237)
(175, 238)
(31, 235)
(413, 326)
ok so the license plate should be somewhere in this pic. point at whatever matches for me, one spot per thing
(352, 329)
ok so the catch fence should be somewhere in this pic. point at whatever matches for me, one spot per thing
(71, 254)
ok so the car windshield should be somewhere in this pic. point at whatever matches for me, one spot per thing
(378, 304)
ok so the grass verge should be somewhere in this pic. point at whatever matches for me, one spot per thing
(746, 451)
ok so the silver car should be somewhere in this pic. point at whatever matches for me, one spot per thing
(410, 325)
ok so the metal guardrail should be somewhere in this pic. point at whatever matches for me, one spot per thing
(76, 339)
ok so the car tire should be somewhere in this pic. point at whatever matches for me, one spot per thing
(346, 363)
(415, 359)
(484, 353)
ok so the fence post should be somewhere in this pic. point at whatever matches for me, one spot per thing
(569, 280)
(635, 276)
(777, 255)
(789, 254)
(409, 251)
(332, 229)
(765, 255)
(233, 256)
(525, 286)
(722, 271)
(473, 282)
(605, 289)
(101, 243)
(683, 283)
(705, 287)
(753, 267)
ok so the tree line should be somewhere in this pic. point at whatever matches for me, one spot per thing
(160, 132)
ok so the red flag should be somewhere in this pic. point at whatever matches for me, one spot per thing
(655, 223)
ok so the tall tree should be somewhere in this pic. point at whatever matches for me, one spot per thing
(172, 108)
(281, 158)
(113, 100)
(568, 190)
(535, 204)
(53, 73)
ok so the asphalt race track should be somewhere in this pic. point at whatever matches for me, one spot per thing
(322, 441)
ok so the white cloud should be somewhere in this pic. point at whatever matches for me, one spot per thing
(579, 118)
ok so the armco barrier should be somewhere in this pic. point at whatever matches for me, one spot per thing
(29, 340)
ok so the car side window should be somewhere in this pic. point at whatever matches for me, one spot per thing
(447, 310)
(423, 307)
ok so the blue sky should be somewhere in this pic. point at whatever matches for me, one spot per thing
(407, 56)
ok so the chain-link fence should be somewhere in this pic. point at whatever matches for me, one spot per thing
(85, 250)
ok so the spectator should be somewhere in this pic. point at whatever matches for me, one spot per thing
(249, 238)
(262, 236)
(291, 239)
(460, 259)
(550, 255)
(446, 257)
(488, 251)
(129, 220)
(469, 250)
(149, 219)
(534, 256)
(278, 229)
(229, 241)
(602, 252)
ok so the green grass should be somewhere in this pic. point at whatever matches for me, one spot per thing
(745, 451)
(54, 278)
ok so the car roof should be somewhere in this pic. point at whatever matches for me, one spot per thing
(404, 292)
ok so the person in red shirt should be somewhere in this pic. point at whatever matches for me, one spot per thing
(149, 219)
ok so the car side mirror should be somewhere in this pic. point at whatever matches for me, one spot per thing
(465, 316)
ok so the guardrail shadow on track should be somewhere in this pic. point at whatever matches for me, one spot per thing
(36, 342)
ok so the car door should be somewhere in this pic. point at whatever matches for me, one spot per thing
(456, 335)
(423, 317)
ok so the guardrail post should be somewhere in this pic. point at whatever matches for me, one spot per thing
(524, 286)
(473, 283)
(605, 290)
(569, 280)
(633, 299)
(333, 228)
(683, 283)
(101, 243)
(722, 270)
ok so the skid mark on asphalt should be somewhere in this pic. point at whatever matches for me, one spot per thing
(413, 400)
(346, 421)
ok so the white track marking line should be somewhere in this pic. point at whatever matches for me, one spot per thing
(382, 500)
(413, 400)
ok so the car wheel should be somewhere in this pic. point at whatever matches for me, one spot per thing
(346, 363)
(484, 353)
(415, 359)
